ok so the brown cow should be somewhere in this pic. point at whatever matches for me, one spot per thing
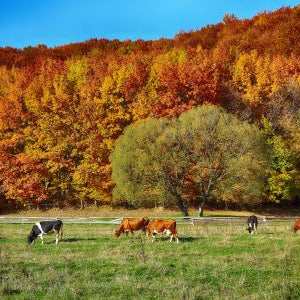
(132, 224)
(296, 225)
(162, 227)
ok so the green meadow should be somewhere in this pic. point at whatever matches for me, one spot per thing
(210, 262)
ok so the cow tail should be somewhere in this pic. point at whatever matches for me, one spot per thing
(175, 231)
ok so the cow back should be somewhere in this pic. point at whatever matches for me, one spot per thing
(161, 225)
(48, 226)
(137, 223)
(132, 224)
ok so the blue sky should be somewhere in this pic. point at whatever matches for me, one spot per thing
(57, 22)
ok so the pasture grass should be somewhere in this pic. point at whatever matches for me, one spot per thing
(210, 262)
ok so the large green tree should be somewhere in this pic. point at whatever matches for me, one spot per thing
(227, 155)
(159, 160)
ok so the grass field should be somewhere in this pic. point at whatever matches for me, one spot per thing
(210, 262)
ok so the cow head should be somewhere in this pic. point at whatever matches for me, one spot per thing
(146, 221)
(30, 239)
(33, 235)
(117, 233)
(250, 229)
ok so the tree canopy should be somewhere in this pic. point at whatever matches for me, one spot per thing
(62, 109)
(158, 161)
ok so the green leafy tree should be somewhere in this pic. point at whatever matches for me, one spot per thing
(283, 182)
(206, 147)
(140, 168)
(227, 155)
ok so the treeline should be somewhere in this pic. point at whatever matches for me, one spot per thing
(62, 110)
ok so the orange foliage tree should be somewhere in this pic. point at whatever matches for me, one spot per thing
(62, 109)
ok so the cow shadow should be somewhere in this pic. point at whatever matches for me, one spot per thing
(189, 239)
(186, 239)
(73, 240)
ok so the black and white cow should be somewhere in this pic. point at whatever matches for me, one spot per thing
(252, 223)
(45, 227)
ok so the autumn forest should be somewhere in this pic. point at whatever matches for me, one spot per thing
(209, 117)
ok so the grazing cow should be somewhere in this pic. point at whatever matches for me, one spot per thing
(252, 223)
(296, 225)
(162, 227)
(45, 227)
(132, 224)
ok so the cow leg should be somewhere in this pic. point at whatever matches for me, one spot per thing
(56, 237)
(154, 236)
(41, 236)
(168, 232)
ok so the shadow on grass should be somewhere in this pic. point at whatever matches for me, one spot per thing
(74, 240)
(10, 291)
(186, 239)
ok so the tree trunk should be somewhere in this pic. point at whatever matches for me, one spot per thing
(81, 204)
(61, 199)
(182, 206)
(201, 206)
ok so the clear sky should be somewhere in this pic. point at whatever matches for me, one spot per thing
(57, 22)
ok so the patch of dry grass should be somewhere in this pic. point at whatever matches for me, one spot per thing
(108, 211)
